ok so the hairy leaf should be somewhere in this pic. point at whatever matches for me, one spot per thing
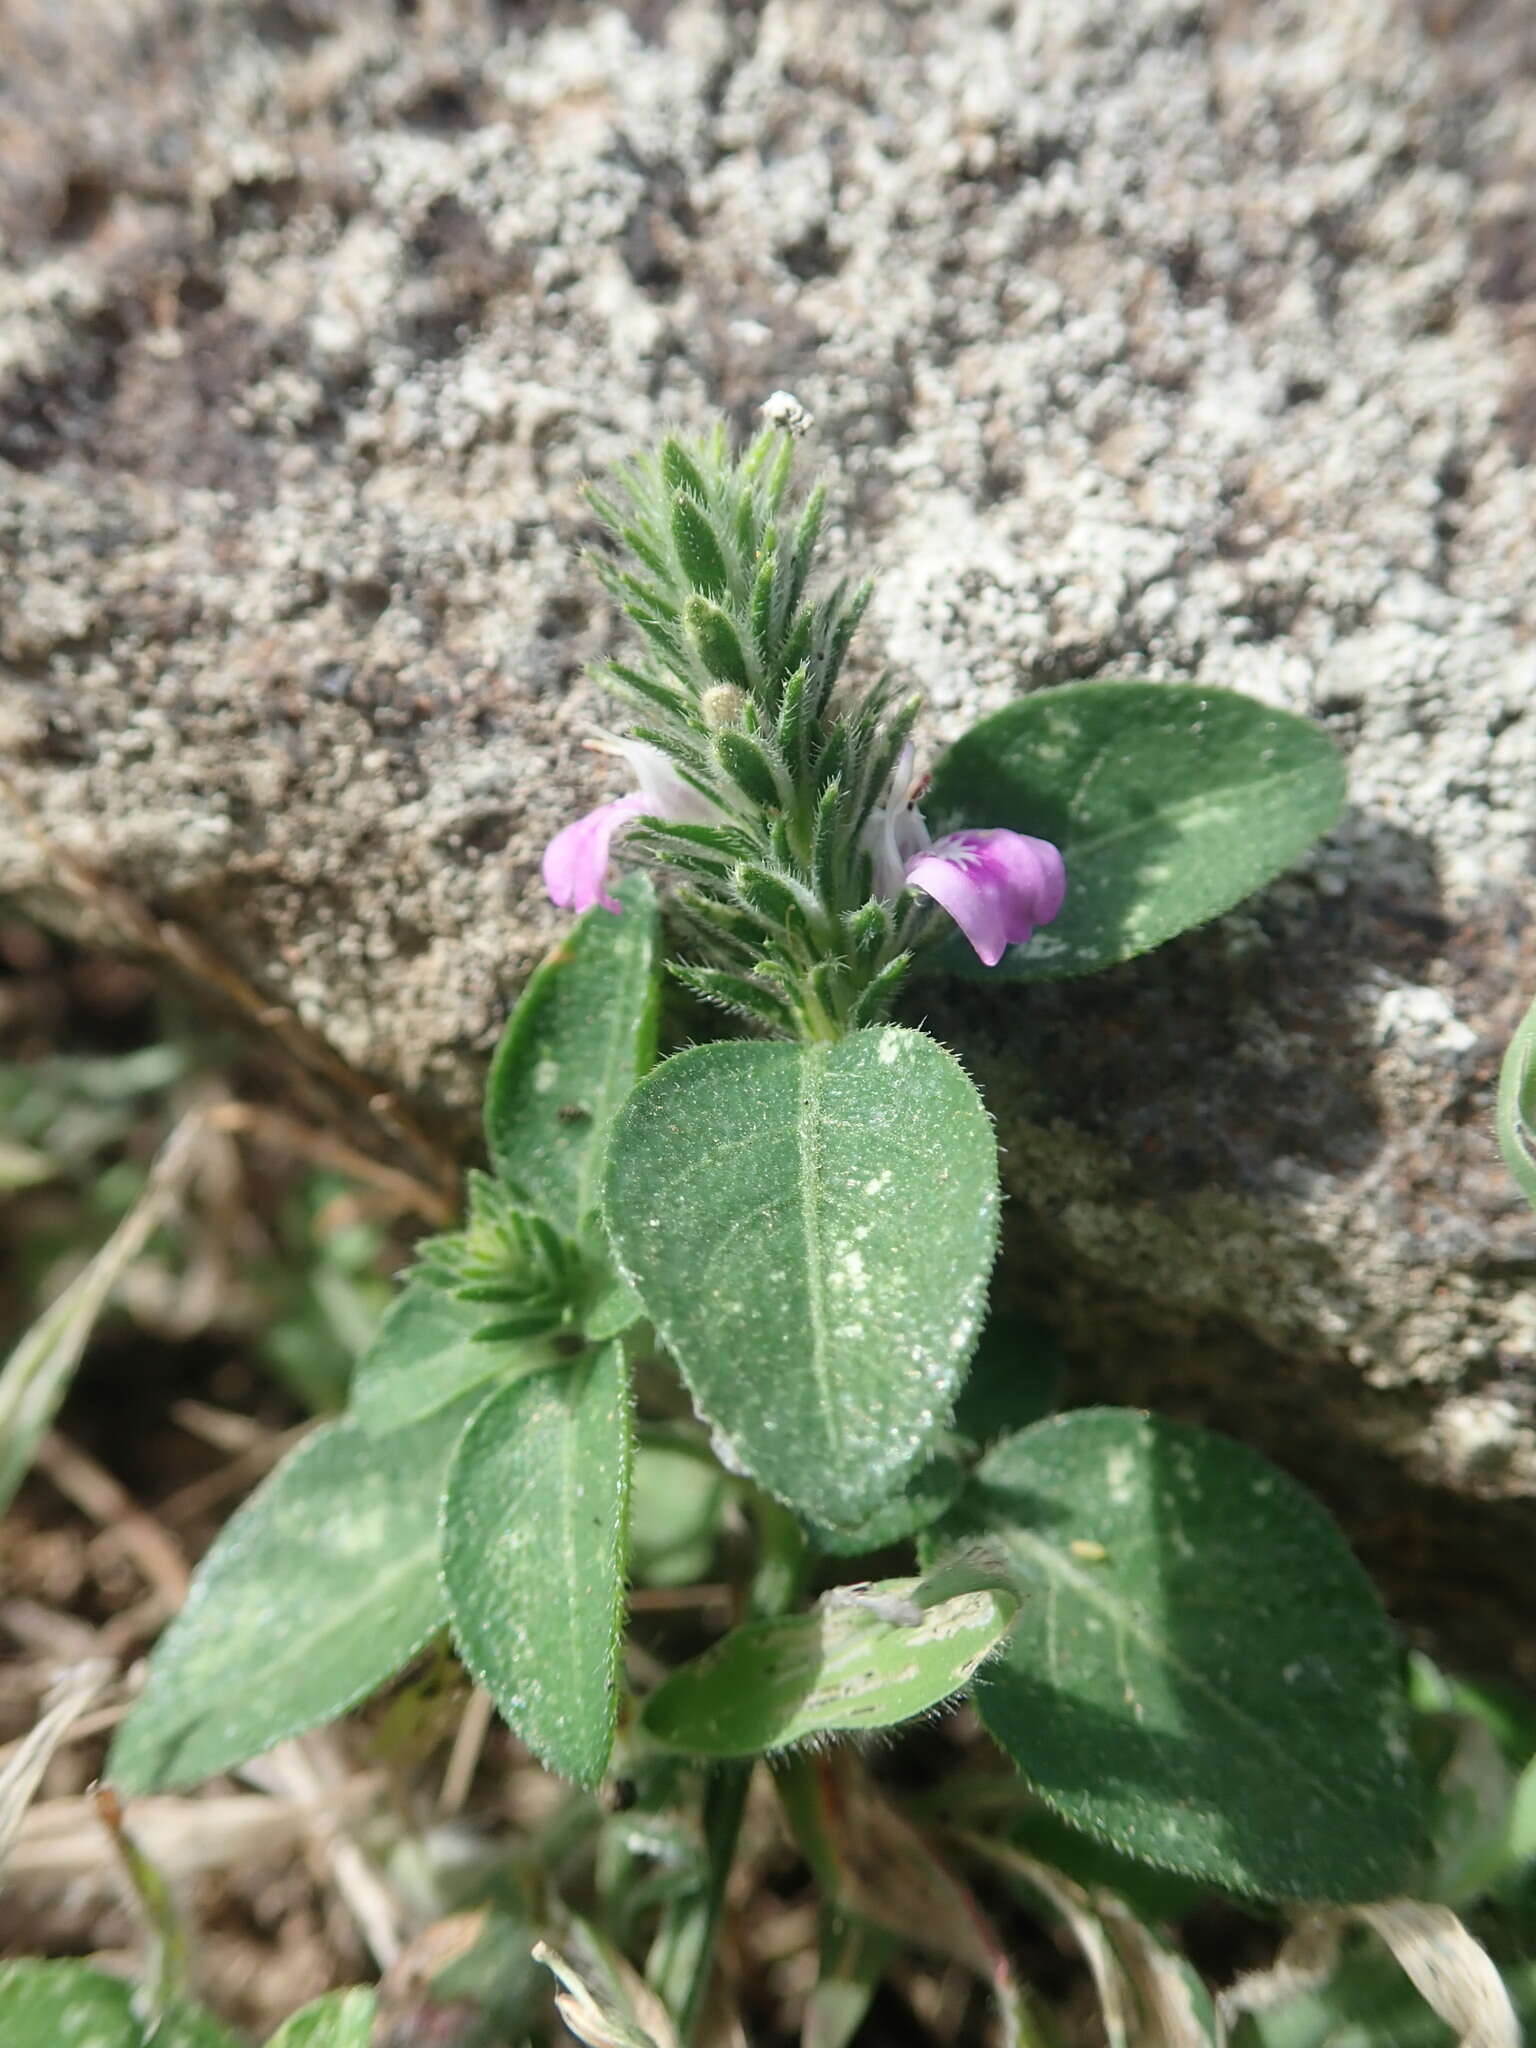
(810, 1229)
(1517, 1106)
(322, 1586)
(341, 2019)
(582, 1035)
(429, 1352)
(71, 2005)
(534, 1555)
(1201, 1673)
(868, 1657)
(1170, 804)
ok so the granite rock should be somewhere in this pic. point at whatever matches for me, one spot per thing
(1167, 339)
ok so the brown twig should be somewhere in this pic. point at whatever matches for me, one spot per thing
(680, 1599)
(464, 1757)
(125, 1526)
(324, 1148)
(160, 937)
(221, 1427)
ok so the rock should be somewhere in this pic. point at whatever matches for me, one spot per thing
(1163, 339)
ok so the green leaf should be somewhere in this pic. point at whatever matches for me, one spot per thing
(868, 1657)
(429, 1353)
(617, 1308)
(341, 2019)
(1170, 804)
(578, 1041)
(924, 1495)
(1517, 1106)
(321, 1586)
(1201, 1674)
(70, 2005)
(66, 2005)
(674, 1506)
(533, 1556)
(811, 1229)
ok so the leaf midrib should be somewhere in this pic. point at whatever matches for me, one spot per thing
(1080, 849)
(304, 1653)
(814, 1061)
(1096, 1593)
(569, 1424)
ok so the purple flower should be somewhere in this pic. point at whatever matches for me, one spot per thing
(576, 861)
(996, 885)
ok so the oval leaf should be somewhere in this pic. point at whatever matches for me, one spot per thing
(1203, 1675)
(533, 1556)
(811, 1229)
(869, 1657)
(320, 1587)
(583, 1034)
(428, 1352)
(1170, 804)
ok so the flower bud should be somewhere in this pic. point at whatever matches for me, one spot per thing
(721, 705)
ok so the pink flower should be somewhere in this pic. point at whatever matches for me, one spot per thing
(576, 861)
(996, 885)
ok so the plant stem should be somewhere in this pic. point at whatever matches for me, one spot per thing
(725, 1801)
(684, 1956)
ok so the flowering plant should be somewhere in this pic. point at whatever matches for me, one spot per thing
(731, 1309)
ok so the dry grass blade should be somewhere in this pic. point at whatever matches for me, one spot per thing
(402, 1191)
(1163, 1985)
(310, 1770)
(1077, 1909)
(23, 1770)
(61, 1840)
(125, 1526)
(1451, 1972)
(594, 2022)
(37, 1374)
(463, 1758)
(877, 1866)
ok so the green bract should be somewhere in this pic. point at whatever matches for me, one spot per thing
(431, 1350)
(811, 1229)
(1200, 1672)
(1170, 803)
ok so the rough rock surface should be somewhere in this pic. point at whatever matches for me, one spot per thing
(1160, 338)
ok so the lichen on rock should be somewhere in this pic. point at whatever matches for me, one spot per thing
(1167, 340)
